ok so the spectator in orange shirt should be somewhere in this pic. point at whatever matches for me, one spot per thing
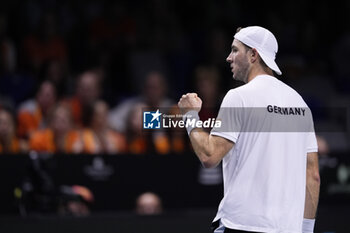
(99, 137)
(87, 92)
(33, 114)
(60, 137)
(9, 143)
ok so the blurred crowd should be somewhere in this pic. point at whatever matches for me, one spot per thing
(75, 75)
(83, 122)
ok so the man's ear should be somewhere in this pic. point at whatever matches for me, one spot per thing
(253, 56)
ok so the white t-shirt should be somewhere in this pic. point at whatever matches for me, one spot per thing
(265, 172)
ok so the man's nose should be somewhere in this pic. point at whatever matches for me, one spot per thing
(229, 59)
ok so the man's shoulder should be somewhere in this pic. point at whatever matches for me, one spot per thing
(275, 86)
(241, 91)
(292, 93)
(233, 92)
(232, 98)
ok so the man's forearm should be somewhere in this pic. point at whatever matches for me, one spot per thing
(312, 194)
(209, 149)
(201, 146)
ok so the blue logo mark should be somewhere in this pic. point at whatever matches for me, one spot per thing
(151, 120)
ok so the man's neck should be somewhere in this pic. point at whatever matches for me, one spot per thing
(259, 71)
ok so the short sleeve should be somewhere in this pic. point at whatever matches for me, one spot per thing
(230, 117)
(311, 143)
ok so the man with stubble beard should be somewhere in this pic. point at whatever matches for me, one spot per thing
(269, 159)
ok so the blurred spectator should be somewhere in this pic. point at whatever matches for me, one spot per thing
(9, 143)
(60, 136)
(75, 201)
(33, 114)
(154, 95)
(140, 142)
(149, 204)
(6, 102)
(44, 44)
(14, 84)
(98, 136)
(323, 147)
(155, 90)
(207, 86)
(7, 48)
(57, 73)
(87, 91)
(38, 41)
(177, 136)
(38, 193)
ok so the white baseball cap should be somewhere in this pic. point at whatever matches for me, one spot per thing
(263, 41)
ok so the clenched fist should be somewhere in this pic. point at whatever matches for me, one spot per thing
(190, 102)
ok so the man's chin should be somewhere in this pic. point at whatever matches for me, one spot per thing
(238, 79)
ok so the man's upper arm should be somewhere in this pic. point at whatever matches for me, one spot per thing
(312, 166)
(312, 160)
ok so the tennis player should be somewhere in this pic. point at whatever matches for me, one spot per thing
(266, 143)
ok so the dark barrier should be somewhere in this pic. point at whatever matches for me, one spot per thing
(175, 222)
(116, 181)
(331, 219)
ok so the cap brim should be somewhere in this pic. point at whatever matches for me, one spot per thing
(270, 63)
